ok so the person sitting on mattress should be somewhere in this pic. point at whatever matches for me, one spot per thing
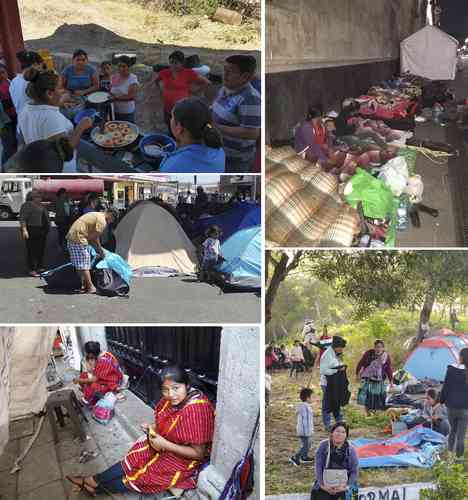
(199, 144)
(102, 374)
(310, 137)
(171, 452)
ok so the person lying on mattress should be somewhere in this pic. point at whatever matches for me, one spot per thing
(102, 374)
(173, 450)
(323, 141)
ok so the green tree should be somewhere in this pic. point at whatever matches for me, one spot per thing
(393, 279)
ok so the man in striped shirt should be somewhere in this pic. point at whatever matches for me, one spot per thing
(237, 113)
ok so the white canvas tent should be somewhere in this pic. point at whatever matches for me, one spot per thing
(149, 236)
(431, 53)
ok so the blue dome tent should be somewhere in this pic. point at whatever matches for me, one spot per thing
(242, 269)
(433, 355)
(241, 215)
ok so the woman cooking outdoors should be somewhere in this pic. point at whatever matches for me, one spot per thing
(79, 78)
(198, 142)
(173, 449)
(42, 119)
(124, 89)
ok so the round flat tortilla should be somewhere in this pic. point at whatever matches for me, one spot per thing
(98, 97)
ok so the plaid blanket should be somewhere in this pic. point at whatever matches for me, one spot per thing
(303, 207)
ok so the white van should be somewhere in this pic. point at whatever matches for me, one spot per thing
(13, 192)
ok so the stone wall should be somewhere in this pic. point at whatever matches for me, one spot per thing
(237, 407)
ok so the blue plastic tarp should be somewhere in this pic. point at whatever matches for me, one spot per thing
(114, 262)
(243, 254)
(242, 215)
(418, 447)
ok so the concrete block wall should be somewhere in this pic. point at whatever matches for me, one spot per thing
(301, 34)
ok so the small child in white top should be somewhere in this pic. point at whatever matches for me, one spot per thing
(211, 253)
(304, 428)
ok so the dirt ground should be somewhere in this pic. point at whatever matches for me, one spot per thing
(281, 441)
(40, 19)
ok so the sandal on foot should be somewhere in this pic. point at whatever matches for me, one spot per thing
(81, 483)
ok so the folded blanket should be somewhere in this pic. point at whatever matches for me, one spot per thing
(303, 207)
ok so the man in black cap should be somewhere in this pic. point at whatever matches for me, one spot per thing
(331, 364)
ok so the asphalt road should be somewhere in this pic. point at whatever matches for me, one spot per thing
(152, 300)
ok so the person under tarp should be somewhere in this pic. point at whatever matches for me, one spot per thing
(102, 374)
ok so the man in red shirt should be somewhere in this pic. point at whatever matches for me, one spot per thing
(177, 83)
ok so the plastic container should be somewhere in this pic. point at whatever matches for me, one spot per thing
(167, 144)
(403, 214)
(85, 113)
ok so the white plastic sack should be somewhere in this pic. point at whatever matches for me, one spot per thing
(395, 175)
(415, 189)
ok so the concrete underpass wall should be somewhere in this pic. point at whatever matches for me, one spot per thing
(323, 51)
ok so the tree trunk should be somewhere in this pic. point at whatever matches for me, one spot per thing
(277, 277)
(282, 268)
(425, 315)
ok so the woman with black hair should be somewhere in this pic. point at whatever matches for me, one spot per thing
(337, 463)
(124, 90)
(102, 374)
(80, 78)
(373, 368)
(18, 85)
(42, 119)
(173, 449)
(198, 142)
(45, 156)
(310, 137)
(454, 395)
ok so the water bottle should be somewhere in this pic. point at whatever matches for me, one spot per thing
(437, 111)
(402, 214)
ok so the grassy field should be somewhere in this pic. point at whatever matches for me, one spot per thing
(281, 441)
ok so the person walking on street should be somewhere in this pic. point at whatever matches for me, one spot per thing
(454, 395)
(34, 226)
